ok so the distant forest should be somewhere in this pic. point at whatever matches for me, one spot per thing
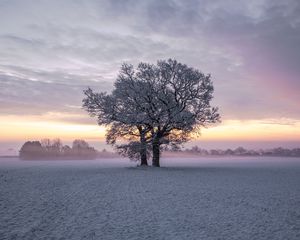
(240, 151)
(54, 149)
(80, 149)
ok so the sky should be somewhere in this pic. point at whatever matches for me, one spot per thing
(51, 50)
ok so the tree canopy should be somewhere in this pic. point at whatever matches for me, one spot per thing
(153, 106)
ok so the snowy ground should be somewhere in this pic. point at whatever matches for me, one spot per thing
(214, 199)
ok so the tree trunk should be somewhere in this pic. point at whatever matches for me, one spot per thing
(156, 153)
(143, 151)
(143, 154)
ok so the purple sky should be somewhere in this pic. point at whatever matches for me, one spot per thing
(51, 50)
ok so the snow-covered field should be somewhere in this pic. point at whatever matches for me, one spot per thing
(221, 198)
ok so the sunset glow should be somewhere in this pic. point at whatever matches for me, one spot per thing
(51, 51)
(16, 128)
(24, 127)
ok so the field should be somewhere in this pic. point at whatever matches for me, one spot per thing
(186, 199)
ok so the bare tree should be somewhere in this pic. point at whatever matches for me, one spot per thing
(46, 144)
(57, 146)
(160, 104)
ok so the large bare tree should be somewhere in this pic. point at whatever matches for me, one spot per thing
(162, 104)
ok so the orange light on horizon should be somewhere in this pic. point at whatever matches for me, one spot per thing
(21, 128)
(35, 128)
(253, 130)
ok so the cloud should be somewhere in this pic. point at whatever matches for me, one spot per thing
(51, 50)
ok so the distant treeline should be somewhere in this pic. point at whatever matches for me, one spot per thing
(54, 149)
(240, 151)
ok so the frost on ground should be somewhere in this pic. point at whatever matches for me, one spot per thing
(87, 200)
